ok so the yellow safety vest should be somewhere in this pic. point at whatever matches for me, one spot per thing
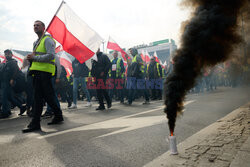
(118, 68)
(158, 71)
(42, 66)
(163, 73)
(141, 66)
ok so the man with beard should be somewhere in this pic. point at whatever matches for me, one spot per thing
(100, 69)
(42, 69)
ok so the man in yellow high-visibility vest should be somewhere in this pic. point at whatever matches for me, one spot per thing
(154, 74)
(42, 69)
(116, 73)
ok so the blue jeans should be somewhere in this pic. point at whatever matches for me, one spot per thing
(76, 82)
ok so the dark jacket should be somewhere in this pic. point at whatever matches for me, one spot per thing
(12, 72)
(63, 73)
(153, 72)
(80, 70)
(102, 65)
(1, 73)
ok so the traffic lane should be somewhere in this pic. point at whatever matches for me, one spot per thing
(10, 129)
(138, 141)
(70, 142)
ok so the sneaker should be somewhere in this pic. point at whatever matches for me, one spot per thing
(32, 127)
(22, 110)
(69, 104)
(73, 106)
(47, 114)
(56, 120)
(89, 104)
(145, 102)
(100, 108)
(128, 103)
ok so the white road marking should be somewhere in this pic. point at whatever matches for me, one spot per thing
(128, 123)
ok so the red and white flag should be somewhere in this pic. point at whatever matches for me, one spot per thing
(19, 58)
(65, 62)
(147, 57)
(143, 55)
(165, 63)
(59, 49)
(156, 57)
(160, 62)
(2, 58)
(76, 37)
(114, 46)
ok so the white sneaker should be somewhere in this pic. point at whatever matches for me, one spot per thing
(89, 104)
(73, 106)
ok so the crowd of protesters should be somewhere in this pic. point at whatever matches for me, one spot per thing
(44, 81)
(109, 80)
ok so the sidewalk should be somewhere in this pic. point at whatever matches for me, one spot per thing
(225, 143)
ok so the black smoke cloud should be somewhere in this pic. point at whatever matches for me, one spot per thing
(208, 39)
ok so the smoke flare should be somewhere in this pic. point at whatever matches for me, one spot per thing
(208, 38)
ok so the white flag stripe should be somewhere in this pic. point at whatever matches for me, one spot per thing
(79, 28)
(63, 55)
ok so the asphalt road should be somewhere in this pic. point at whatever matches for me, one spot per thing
(128, 136)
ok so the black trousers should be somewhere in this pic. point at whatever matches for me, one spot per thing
(102, 93)
(44, 91)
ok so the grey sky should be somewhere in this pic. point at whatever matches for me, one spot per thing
(129, 23)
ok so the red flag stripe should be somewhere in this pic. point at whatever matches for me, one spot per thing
(59, 49)
(70, 43)
(18, 58)
(2, 58)
(66, 64)
(115, 46)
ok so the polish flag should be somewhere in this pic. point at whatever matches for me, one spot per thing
(147, 56)
(59, 49)
(2, 59)
(19, 58)
(165, 63)
(65, 62)
(156, 57)
(114, 46)
(160, 62)
(76, 37)
(143, 56)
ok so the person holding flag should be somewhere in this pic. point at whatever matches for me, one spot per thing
(42, 69)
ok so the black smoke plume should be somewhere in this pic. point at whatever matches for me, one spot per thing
(208, 38)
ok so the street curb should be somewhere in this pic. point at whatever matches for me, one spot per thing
(168, 160)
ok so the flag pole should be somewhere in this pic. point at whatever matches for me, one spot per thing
(63, 2)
